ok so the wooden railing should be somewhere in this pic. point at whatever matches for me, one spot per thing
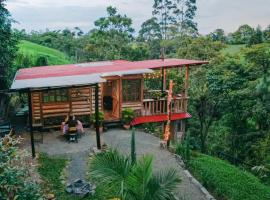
(155, 107)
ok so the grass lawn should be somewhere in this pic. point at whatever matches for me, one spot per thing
(226, 181)
(50, 169)
(233, 49)
(35, 51)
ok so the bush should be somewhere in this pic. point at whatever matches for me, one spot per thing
(18, 177)
(227, 181)
(127, 115)
(93, 118)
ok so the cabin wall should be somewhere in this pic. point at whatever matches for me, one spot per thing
(80, 103)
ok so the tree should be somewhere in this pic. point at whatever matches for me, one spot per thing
(203, 48)
(242, 35)
(185, 11)
(266, 33)
(219, 35)
(150, 30)
(163, 10)
(257, 37)
(121, 179)
(112, 37)
(7, 48)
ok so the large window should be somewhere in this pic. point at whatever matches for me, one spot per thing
(55, 96)
(131, 90)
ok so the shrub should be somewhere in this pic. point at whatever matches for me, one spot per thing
(101, 118)
(127, 115)
(227, 181)
(18, 177)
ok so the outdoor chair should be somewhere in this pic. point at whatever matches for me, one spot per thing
(72, 134)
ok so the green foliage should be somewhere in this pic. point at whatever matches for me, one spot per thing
(100, 117)
(127, 115)
(183, 149)
(18, 178)
(7, 48)
(233, 49)
(127, 181)
(227, 181)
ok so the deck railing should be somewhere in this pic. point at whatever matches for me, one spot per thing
(159, 106)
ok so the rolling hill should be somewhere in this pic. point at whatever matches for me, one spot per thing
(30, 53)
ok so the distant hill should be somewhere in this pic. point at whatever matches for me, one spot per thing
(31, 54)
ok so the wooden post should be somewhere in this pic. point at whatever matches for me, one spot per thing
(31, 124)
(186, 81)
(97, 116)
(163, 84)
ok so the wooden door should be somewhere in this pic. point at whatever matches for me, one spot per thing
(116, 99)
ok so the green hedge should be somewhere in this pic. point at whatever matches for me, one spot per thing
(226, 181)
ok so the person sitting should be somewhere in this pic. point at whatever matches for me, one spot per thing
(72, 128)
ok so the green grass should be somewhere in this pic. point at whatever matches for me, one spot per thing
(34, 51)
(226, 181)
(233, 49)
(50, 170)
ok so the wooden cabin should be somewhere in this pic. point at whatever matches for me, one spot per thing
(59, 90)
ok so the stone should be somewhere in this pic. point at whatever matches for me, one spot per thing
(50, 196)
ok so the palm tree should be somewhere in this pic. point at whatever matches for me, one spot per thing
(121, 179)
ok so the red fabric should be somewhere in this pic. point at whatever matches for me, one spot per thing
(113, 66)
(159, 118)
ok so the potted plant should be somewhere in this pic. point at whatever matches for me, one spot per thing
(127, 116)
(101, 120)
(156, 95)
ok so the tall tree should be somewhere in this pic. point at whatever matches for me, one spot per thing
(185, 11)
(7, 45)
(163, 10)
(8, 50)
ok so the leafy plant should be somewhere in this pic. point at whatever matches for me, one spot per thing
(18, 177)
(127, 115)
(101, 118)
(184, 149)
(127, 181)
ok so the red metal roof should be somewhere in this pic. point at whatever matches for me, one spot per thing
(100, 67)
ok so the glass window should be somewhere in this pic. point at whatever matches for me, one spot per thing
(55, 96)
(131, 90)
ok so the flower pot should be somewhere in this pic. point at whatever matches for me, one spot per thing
(126, 126)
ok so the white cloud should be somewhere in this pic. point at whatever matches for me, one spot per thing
(58, 14)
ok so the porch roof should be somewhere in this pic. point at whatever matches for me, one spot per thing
(89, 73)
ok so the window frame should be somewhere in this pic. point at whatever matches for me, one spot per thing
(55, 94)
(124, 93)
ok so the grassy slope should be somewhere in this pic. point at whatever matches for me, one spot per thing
(227, 181)
(233, 49)
(34, 51)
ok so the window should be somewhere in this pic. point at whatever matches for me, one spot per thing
(55, 96)
(131, 90)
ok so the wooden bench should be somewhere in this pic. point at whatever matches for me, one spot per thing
(5, 128)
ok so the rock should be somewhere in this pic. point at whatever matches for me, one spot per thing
(50, 196)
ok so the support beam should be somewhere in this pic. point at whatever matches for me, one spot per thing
(186, 81)
(163, 84)
(31, 124)
(97, 116)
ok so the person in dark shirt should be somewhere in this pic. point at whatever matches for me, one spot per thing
(72, 124)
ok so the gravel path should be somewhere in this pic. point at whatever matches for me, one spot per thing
(148, 144)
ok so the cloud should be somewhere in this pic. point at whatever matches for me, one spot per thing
(59, 14)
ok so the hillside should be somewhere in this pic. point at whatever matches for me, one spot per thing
(233, 49)
(30, 53)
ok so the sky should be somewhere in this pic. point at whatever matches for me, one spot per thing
(59, 14)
